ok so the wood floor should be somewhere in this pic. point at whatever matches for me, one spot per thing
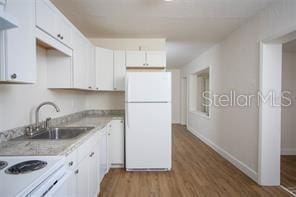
(288, 172)
(197, 171)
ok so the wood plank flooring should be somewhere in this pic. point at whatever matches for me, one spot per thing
(197, 171)
(288, 172)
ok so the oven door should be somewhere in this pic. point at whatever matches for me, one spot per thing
(62, 187)
(57, 185)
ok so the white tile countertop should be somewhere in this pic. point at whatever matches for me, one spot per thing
(32, 147)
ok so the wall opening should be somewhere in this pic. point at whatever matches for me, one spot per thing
(199, 92)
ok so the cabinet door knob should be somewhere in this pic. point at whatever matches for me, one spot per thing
(62, 37)
(89, 87)
(76, 171)
(13, 76)
(59, 35)
(71, 163)
(92, 154)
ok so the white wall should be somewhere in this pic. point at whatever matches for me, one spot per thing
(233, 131)
(105, 100)
(176, 96)
(18, 102)
(288, 138)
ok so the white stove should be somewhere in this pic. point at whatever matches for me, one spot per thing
(29, 175)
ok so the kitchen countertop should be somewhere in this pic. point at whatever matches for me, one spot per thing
(29, 147)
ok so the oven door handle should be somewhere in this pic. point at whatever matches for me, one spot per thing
(58, 185)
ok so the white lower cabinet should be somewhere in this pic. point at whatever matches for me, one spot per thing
(93, 171)
(116, 143)
(103, 157)
(82, 178)
(84, 164)
(91, 161)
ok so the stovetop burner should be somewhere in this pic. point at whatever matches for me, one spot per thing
(3, 164)
(26, 167)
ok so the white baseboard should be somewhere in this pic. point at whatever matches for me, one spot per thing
(237, 163)
(288, 151)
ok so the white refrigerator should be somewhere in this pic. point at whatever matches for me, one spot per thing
(148, 140)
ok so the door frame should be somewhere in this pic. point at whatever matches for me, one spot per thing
(269, 143)
(184, 101)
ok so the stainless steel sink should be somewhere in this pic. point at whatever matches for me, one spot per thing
(60, 133)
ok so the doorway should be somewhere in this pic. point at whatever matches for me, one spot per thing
(184, 101)
(273, 79)
(288, 114)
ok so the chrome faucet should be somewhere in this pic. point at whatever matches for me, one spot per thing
(37, 127)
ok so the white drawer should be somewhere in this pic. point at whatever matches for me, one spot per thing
(85, 149)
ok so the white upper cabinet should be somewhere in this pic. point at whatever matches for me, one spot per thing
(91, 67)
(119, 70)
(64, 31)
(145, 59)
(18, 63)
(46, 17)
(51, 21)
(72, 72)
(156, 59)
(80, 68)
(135, 58)
(104, 69)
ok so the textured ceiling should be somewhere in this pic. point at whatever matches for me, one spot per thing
(190, 26)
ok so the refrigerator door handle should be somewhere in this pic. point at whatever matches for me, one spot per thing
(127, 85)
(127, 116)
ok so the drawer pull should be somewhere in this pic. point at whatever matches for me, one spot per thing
(71, 163)
(92, 154)
(76, 171)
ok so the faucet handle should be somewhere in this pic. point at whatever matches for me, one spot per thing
(29, 131)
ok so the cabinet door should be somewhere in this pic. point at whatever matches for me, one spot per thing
(94, 171)
(46, 17)
(156, 59)
(119, 70)
(64, 31)
(109, 146)
(135, 59)
(21, 43)
(79, 67)
(72, 188)
(103, 153)
(117, 143)
(91, 78)
(82, 178)
(104, 67)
